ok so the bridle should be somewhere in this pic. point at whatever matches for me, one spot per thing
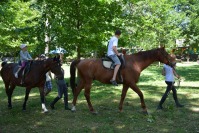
(166, 56)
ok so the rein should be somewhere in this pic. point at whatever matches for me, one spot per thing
(178, 84)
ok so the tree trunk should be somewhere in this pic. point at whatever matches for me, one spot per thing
(78, 52)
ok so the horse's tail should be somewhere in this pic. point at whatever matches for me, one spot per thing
(3, 64)
(72, 74)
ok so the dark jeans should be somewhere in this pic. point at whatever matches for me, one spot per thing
(62, 88)
(170, 86)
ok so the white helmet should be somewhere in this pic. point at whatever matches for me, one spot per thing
(23, 46)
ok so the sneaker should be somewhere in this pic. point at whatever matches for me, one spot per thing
(16, 75)
(52, 106)
(114, 82)
(179, 105)
(67, 108)
(159, 107)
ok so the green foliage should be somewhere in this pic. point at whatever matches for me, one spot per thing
(84, 27)
(191, 8)
(17, 25)
(153, 23)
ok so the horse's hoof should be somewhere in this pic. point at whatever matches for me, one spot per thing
(9, 107)
(45, 112)
(73, 109)
(94, 112)
(145, 112)
(120, 110)
(23, 110)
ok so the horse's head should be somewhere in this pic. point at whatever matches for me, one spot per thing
(164, 57)
(54, 65)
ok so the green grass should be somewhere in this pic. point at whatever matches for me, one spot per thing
(105, 99)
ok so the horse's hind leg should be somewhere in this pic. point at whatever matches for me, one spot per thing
(124, 90)
(137, 90)
(79, 87)
(26, 98)
(87, 95)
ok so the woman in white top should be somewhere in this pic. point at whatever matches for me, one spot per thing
(170, 74)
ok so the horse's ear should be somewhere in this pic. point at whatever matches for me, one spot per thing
(55, 58)
(162, 46)
(58, 57)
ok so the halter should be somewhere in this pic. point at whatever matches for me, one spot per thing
(164, 54)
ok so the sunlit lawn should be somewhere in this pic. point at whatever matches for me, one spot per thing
(105, 99)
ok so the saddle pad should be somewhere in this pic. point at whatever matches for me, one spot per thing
(107, 64)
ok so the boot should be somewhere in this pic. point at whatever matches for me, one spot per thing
(178, 105)
(53, 103)
(161, 102)
(46, 93)
(66, 103)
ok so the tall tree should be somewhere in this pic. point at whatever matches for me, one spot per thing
(190, 25)
(17, 22)
(81, 26)
(153, 22)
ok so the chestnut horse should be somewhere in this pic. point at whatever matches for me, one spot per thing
(35, 78)
(92, 69)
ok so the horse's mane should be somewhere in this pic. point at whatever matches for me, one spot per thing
(3, 64)
(38, 61)
(146, 53)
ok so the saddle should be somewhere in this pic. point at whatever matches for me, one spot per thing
(23, 72)
(109, 64)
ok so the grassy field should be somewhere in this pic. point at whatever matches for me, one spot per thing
(105, 99)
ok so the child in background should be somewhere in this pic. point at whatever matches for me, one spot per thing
(48, 84)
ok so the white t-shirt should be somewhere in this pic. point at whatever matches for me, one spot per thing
(113, 42)
(48, 77)
(169, 76)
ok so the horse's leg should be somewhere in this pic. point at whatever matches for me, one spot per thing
(79, 87)
(26, 98)
(87, 95)
(123, 95)
(42, 96)
(9, 91)
(137, 90)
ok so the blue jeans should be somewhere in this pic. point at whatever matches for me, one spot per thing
(62, 88)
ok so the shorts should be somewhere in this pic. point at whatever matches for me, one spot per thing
(115, 59)
(48, 85)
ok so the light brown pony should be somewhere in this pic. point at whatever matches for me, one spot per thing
(92, 69)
